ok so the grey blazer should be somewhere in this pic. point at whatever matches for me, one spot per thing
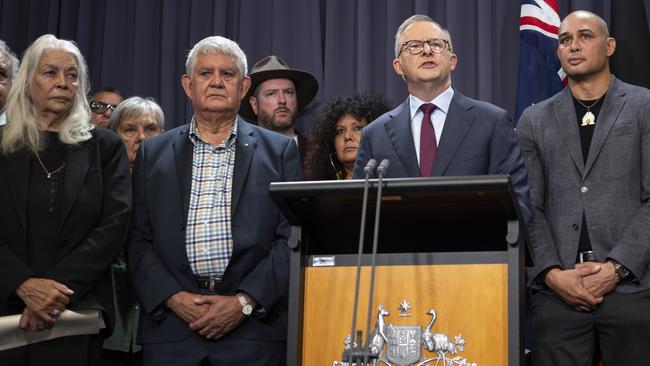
(612, 187)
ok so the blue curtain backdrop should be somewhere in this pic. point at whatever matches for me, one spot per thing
(139, 46)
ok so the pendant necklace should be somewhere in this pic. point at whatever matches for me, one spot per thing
(49, 174)
(589, 119)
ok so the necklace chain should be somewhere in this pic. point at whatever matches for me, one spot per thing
(48, 173)
(592, 104)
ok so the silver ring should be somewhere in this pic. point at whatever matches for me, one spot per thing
(55, 313)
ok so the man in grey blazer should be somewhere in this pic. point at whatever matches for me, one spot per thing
(587, 151)
(437, 131)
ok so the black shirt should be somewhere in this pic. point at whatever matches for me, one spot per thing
(44, 203)
(586, 134)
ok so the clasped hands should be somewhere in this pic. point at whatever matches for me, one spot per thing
(585, 286)
(44, 301)
(211, 316)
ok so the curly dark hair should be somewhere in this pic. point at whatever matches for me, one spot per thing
(321, 158)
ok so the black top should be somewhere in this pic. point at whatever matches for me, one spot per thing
(44, 203)
(586, 134)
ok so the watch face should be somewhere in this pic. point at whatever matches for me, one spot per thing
(247, 309)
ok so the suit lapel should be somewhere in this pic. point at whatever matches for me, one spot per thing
(244, 150)
(18, 166)
(77, 163)
(183, 150)
(565, 119)
(611, 108)
(401, 136)
(459, 120)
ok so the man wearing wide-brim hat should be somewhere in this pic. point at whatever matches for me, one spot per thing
(277, 95)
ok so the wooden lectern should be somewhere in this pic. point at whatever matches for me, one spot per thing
(453, 244)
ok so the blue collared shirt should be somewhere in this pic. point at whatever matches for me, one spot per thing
(208, 238)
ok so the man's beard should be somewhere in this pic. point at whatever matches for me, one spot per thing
(271, 123)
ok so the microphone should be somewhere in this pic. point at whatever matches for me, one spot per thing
(381, 170)
(370, 168)
(383, 166)
(354, 354)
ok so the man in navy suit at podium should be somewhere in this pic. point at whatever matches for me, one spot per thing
(437, 131)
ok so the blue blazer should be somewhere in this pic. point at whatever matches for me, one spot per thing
(259, 264)
(478, 139)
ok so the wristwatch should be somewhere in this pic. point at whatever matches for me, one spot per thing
(620, 271)
(246, 308)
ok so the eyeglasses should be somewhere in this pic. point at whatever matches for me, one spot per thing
(99, 107)
(415, 47)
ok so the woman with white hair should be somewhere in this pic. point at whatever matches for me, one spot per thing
(135, 120)
(65, 198)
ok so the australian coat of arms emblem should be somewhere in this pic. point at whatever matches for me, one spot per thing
(394, 345)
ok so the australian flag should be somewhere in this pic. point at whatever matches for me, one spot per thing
(540, 74)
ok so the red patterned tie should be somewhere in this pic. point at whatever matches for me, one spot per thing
(428, 144)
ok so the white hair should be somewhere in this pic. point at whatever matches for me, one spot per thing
(137, 107)
(412, 20)
(217, 44)
(22, 129)
(8, 53)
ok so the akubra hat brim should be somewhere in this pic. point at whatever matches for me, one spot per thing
(306, 87)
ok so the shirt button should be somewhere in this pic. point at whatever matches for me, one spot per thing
(584, 189)
(575, 227)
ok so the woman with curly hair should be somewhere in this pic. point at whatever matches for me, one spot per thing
(336, 132)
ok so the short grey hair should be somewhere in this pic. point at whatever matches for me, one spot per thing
(136, 107)
(412, 20)
(8, 53)
(217, 44)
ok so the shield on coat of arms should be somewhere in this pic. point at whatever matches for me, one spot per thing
(404, 342)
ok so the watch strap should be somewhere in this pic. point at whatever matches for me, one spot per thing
(620, 271)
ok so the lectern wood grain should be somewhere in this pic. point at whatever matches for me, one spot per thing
(469, 299)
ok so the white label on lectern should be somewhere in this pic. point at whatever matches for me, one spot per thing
(324, 261)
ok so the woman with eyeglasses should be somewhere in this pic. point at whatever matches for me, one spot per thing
(65, 197)
(134, 120)
(336, 133)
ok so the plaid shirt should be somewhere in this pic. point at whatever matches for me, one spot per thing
(208, 239)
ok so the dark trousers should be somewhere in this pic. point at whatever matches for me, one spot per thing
(564, 336)
(117, 358)
(198, 351)
(65, 351)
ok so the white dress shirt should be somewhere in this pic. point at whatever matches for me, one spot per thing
(438, 116)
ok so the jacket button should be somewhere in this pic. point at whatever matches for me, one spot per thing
(575, 227)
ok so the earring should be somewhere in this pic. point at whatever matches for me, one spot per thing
(339, 172)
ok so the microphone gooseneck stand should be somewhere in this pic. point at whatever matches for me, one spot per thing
(358, 352)
(352, 354)
(381, 170)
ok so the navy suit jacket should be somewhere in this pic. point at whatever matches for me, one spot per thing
(259, 264)
(478, 139)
